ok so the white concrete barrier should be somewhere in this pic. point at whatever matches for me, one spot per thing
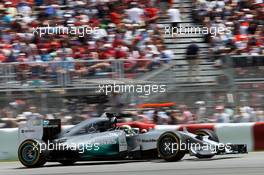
(8, 143)
(237, 134)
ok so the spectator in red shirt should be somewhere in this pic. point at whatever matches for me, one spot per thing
(2, 57)
(116, 17)
(151, 14)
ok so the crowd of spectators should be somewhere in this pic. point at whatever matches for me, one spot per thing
(242, 21)
(123, 29)
(10, 118)
(221, 114)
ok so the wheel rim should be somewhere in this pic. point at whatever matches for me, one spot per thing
(29, 153)
(168, 146)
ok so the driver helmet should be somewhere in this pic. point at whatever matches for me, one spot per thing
(126, 128)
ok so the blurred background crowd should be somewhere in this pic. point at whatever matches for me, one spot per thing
(126, 30)
(244, 19)
(18, 113)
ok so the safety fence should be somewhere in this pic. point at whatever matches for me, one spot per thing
(63, 74)
(48, 85)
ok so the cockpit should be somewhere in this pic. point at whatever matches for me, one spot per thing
(104, 123)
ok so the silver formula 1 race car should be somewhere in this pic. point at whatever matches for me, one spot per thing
(102, 138)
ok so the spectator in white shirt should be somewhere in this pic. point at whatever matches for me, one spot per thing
(135, 14)
(175, 17)
(221, 116)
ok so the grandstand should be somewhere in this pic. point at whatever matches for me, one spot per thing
(64, 69)
(178, 70)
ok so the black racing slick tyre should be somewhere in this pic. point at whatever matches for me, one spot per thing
(212, 136)
(169, 146)
(31, 153)
(67, 162)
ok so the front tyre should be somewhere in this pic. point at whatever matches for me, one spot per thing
(169, 146)
(31, 153)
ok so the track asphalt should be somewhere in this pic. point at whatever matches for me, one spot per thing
(246, 164)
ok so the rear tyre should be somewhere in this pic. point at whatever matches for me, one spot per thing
(212, 136)
(67, 162)
(30, 153)
(169, 146)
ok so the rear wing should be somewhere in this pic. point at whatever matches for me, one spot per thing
(39, 129)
